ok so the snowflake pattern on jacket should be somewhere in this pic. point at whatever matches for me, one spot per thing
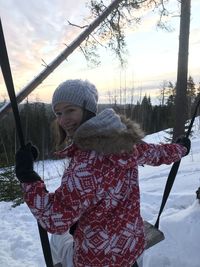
(101, 192)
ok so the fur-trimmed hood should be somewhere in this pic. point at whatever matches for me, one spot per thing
(108, 133)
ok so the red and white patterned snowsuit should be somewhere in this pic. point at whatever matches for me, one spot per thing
(101, 192)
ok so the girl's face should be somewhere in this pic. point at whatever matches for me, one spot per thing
(69, 117)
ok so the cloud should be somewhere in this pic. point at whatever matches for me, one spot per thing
(38, 30)
(28, 22)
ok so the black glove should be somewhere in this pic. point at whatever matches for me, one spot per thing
(24, 159)
(184, 141)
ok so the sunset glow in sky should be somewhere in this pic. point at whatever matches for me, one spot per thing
(38, 30)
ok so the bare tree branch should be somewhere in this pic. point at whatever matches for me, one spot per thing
(78, 26)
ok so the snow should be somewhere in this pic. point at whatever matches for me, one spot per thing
(180, 221)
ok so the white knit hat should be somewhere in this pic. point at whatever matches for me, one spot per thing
(105, 123)
(76, 92)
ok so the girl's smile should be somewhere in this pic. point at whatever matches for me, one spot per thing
(69, 117)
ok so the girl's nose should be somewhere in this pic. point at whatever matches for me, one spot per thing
(63, 119)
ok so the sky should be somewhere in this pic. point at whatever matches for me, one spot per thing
(19, 239)
(38, 31)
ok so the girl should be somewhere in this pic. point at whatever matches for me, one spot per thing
(99, 192)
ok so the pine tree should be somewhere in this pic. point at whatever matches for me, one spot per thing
(10, 189)
(146, 112)
(191, 95)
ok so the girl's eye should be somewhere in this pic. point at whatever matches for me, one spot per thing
(58, 113)
(70, 110)
(67, 111)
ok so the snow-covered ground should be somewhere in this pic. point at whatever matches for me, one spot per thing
(180, 221)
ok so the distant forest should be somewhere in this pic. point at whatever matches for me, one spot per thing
(37, 120)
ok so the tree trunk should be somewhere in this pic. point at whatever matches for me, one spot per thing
(182, 73)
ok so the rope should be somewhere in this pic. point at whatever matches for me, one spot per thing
(174, 170)
(5, 67)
